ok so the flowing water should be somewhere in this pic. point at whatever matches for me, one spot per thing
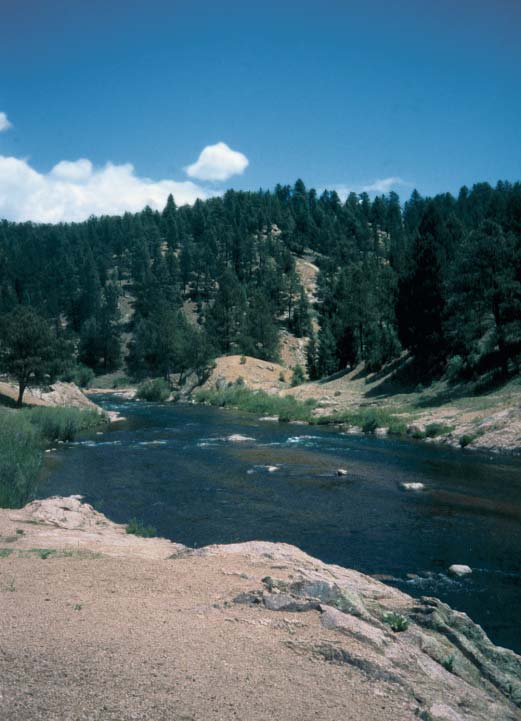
(171, 466)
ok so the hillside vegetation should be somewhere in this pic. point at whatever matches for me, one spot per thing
(277, 275)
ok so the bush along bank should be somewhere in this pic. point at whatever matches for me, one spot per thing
(24, 435)
(287, 408)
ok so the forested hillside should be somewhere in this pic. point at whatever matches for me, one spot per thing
(439, 277)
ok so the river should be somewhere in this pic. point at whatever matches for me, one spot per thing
(171, 466)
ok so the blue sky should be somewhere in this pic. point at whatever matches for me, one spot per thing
(427, 94)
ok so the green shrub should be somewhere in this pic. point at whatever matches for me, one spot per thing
(370, 424)
(396, 621)
(369, 419)
(243, 360)
(466, 440)
(137, 528)
(62, 424)
(455, 367)
(299, 376)
(448, 663)
(287, 408)
(44, 553)
(432, 430)
(80, 374)
(157, 390)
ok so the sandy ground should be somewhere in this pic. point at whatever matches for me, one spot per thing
(115, 639)
(256, 374)
(151, 631)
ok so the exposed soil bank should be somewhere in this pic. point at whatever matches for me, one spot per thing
(103, 625)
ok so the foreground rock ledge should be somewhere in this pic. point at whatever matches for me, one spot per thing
(100, 625)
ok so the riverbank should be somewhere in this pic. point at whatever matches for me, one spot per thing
(149, 629)
(462, 415)
(52, 416)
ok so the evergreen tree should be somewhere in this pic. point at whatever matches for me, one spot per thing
(29, 348)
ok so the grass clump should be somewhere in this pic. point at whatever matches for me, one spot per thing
(368, 419)
(44, 553)
(287, 408)
(5, 552)
(432, 430)
(396, 621)
(156, 390)
(62, 424)
(20, 458)
(23, 436)
(137, 528)
(466, 439)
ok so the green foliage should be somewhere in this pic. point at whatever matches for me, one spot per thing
(368, 419)
(466, 439)
(432, 430)
(396, 621)
(30, 350)
(157, 391)
(439, 277)
(299, 376)
(370, 423)
(62, 424)
(20, 458)
(165, 343)
(137, 528)
(23, 436)
(79, 374)
(448, 663)
(44, 553)
(287, 408)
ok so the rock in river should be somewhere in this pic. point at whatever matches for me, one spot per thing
(238, 438)
(412, 486)
(459, 569)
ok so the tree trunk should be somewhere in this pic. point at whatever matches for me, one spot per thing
(21, 391)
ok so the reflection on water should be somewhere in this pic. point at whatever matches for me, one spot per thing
(173, 467)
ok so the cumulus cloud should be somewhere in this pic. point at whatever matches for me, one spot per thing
(380, 185)
(217, 162)
(74, 190)
(4, 122)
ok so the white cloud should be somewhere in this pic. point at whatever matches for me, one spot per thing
(74, 190)
(4, 122)
(217, 162)
(342, 190)
(384, 185)
(72, 170)
(380, 185)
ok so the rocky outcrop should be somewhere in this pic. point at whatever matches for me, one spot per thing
(286, 636)
(57, 394)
